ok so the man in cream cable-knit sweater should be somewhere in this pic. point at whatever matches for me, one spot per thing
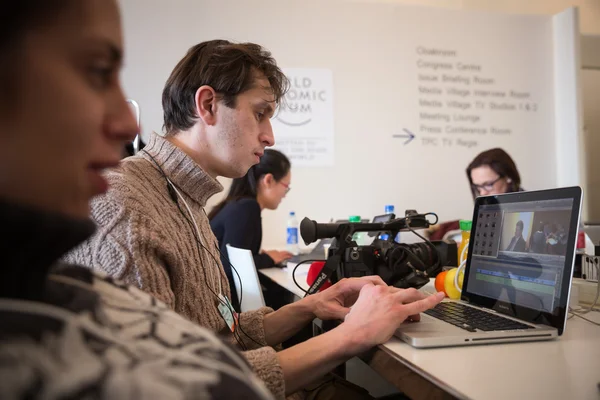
(153, 232)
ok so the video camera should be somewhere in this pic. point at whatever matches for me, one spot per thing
(398, 264)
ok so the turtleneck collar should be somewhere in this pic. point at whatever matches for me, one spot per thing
(184, 172)
(31, 241)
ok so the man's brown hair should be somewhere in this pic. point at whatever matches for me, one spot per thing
(229, 68)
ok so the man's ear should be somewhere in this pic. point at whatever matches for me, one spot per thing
(206, 104)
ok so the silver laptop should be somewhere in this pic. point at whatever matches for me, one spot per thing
(517, 277)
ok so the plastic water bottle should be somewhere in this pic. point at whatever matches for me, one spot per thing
(389, 209)
(292, 234)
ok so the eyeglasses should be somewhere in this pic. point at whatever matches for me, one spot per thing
(488, 186)
(286, 186)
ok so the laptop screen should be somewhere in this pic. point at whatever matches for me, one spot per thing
(521, 253)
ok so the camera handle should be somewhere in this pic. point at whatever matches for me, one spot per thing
(327, 271)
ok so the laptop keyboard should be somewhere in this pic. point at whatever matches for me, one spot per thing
(470, 319)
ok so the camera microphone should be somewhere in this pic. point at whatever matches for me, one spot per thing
(312, 231)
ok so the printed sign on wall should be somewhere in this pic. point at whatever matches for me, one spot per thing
(303, 124)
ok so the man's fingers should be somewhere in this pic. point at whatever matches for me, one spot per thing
(374, 279)
(356, 284)
(394, 289)
(417, 307)
(340, 312)
(409, 295)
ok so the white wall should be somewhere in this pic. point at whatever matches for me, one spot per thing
(590, 87)
(370, 48)
(568, 116)
(589, 9)
(591, 110)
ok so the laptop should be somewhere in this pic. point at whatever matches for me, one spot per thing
(517, 277)
(316, 254)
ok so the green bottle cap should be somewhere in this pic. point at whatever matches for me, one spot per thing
(465, 225)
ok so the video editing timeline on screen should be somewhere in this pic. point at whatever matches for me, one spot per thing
(520, 249)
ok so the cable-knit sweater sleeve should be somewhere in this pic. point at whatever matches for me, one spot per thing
(263, 359)
(265, 364)
(252, 327)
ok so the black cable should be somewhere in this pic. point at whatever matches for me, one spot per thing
(294, 273)
(233, 313)
(427, 241)
(198, 242)
(231, 310)
(436, 218)
(406, 253)
(239, 340)
(244, 332)
(241, 294)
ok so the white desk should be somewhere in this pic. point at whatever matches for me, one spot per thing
(566, 368)
(283, 277)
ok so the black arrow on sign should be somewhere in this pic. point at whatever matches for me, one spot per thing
(407, 135)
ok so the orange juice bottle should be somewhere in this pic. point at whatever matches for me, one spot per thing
(465, 227)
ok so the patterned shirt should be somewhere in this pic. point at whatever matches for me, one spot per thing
(67, 333)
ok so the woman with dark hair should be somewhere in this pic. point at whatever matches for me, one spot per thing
(237, 219)
(493, 172)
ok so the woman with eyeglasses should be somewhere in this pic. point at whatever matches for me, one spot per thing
(493, 172)
(237, 219)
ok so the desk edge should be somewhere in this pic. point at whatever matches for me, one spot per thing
(439, 383)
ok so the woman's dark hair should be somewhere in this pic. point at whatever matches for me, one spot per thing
(272, 162)
(19, 17)
(501, 163)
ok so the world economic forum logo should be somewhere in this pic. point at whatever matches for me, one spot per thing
(302, 99)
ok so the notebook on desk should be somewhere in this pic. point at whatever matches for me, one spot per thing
(517, 276)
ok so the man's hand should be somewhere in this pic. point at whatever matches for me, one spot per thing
(373, 319)
(335, 302)
(379, 311)
(332, 303)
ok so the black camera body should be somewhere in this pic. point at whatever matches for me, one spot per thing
(398, 264)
